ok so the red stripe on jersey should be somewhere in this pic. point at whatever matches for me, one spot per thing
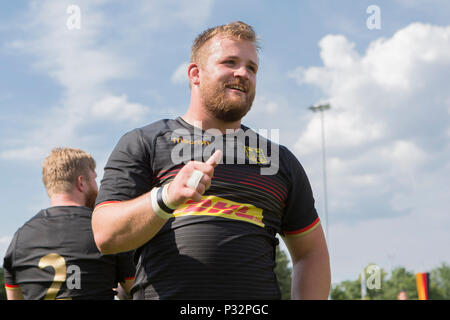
(273, 184)
(105, 203)
(164, 177)
(108, 202)
(11, 286)
(165, 173)
(220, 178)
(270, 183)
(235, 173)
(302, 230)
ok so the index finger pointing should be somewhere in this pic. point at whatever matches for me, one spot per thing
(215, 158)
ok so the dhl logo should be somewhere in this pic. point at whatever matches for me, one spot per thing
(220, 207)
(255, 155)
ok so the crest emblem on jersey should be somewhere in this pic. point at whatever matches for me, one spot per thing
(255, 155)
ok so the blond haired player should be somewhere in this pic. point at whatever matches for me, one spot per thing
(53, 255)
(204, 223)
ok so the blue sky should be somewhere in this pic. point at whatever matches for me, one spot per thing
(387, 132)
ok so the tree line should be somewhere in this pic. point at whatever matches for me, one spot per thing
(400, 279)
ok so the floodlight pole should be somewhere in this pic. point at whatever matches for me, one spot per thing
(322, 108)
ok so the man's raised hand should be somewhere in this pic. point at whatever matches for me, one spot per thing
(192, 180)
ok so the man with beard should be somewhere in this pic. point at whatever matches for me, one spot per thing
(204, 226)
(53, 255)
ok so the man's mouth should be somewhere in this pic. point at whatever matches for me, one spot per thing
(237, 87)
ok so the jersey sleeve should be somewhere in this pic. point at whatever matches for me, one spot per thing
(125, 266)
(8, 265)
(128, 173)
(300, 216)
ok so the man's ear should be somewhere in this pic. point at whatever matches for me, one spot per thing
(194, 74)
(80, 183)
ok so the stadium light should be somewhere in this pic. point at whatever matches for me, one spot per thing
(321, 109)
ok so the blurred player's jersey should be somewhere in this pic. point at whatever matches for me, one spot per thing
(54, 256)
(222, 247)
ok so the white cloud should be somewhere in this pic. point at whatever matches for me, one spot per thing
(26, 153)
(403, 155)
(161, 14)
(337, 52)
(84, 61)
(378, 95)
(343, 129)
(387, 145)
(394, 62)
(5, 239)
(194, 15)
(266, 106)
(180, 74)
(389, 243)
(74, 58)
(118, 108)
(82, 64)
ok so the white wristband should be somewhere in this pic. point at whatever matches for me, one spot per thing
(165, 196)
(156, 208)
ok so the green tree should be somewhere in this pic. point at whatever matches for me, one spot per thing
(346, 290)
(440, 283)
(399, 279)
(2, 285)
(283, 272)
(351, 289)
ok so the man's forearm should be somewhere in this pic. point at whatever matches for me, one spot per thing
(311, 277)
(126, 225)
(14, 294)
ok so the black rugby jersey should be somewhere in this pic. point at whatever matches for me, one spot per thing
(54, 256)
(222, 247)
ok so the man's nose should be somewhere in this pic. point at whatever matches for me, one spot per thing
(241, 72)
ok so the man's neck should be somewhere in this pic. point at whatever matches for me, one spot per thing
(62, 199)
(203, 120)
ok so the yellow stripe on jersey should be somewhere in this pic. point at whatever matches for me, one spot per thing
(220, 207)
